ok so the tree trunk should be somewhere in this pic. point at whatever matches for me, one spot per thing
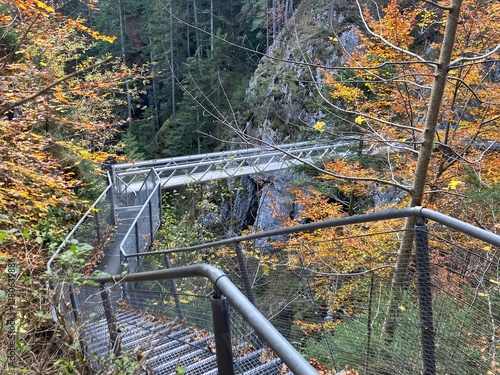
(212, 30)
(172, 72)
(197, 34)
(127, 85)
(421, 171)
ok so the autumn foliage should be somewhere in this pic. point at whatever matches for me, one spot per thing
(385, 88)
(57, 113)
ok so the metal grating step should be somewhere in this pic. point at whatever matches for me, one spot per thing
(193, 357)
(203, 366)
(151, 332)
(177, 349)
(271, 367)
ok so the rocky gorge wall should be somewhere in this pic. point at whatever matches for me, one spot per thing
(284, 99)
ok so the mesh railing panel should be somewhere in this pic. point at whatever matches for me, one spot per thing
(330, 292)
(143, 229)
(98, 226)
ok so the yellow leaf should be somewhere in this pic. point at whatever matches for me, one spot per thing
(319, 126)
(44, 6)
(453, 184)
(402, 308)
(359, 120)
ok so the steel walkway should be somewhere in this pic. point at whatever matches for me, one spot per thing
(178, 171)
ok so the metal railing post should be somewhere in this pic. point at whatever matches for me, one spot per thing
(137, 246)
(151, 229)
(425, 298)
(242, 262)
(97, 227)
(74, 303)
(112, 214)
(160, 208)
(110, 319)
(173, 289)
(222, 333)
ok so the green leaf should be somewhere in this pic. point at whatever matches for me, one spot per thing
(180, 370)
(26, 233)
(19, 344)
(43, 315)
(2, 294)
(90, 283)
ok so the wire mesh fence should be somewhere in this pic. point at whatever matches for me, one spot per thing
(331, 294)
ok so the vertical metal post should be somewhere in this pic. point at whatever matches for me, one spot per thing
(112, 219)
(74, 303)
(110, 319)
(97, 227)
(173, 289)
(151, 229)
(137, 246)
(242, 262)
(160, 207)
(425, 298)
(222, 333)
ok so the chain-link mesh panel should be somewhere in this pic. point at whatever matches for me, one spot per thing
(465, 280)
(145, 224)
(97, 227)
(332, 293)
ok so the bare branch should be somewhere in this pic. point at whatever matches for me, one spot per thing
(482, 57)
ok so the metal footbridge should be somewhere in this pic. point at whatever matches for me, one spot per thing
(182, 170)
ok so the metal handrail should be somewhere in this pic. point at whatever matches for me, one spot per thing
(214, 155)
(288, 354)
(417, 212)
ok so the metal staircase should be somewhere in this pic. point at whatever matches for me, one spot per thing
(160, 347)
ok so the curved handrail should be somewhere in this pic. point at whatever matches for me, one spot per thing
(288, 354)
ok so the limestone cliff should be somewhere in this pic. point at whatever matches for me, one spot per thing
(283, 96)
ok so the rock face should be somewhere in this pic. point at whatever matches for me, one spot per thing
(285, 95)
